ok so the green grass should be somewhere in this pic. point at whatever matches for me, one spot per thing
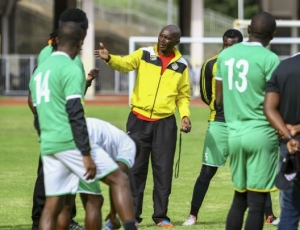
(19, 151)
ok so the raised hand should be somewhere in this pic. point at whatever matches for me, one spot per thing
(102, 53)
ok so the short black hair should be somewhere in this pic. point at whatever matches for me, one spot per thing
(73, 15)
(263, 25)
(69, 34)
(233, 33)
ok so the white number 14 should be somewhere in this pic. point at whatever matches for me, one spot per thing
(243, 68)
(42, 88)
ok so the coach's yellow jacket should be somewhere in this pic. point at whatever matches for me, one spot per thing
(156, 95)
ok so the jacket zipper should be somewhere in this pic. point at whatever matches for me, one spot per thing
(155, 96)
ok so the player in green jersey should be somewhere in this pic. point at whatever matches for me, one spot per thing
(242, 73)
(78, 16)
(57, 88)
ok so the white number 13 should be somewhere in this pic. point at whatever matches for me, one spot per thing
(243, 68)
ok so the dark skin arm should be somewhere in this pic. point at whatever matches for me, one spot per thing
(112, 216)
(271, 105)
(219, 93)
(91, 76)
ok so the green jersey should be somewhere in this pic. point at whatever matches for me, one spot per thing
(244, 70)
(47, 51)
(55, 81)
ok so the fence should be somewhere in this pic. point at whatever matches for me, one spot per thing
(15, 73)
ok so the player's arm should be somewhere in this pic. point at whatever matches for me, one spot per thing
(206, 75)
(91, 76)
(219, 85)
(271, 104)
(219, 93)
(71, 82)
(75, 112)
(29, 98)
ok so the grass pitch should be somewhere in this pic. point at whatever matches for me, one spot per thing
(19, 150)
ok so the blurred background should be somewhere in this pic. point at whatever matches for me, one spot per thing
(26, 25)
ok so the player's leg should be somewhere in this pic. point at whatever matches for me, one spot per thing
(121, 196)
(38, 197)
(58, 180)
(92, 204)
(139, 171)
(109, 172)
(199, 192)
(215, 152)
(256, 203)
(63, 220)
(111, 220)
(269, 215)
(237, 210)
(261, 171)
(53, 206)
(162, 158)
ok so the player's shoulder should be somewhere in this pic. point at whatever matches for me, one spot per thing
(44, 54)
(211, 61)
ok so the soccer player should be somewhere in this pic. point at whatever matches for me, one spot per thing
(162, 85)
(57, 91)
(57, 87)
(282, 109)
(119, 146)
(214, 155)
(78, 16)
(242, 73)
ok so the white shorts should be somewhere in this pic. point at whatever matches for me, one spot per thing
(63, 170)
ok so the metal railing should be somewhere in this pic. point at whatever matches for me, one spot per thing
(16, 70)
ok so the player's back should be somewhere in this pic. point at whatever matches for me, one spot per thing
(245, 68)
(55, 81)
(113, 140)
(48, 50)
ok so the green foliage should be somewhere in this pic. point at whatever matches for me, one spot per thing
(230, 7)
(19, 151)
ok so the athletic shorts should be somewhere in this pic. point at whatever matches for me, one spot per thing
(62, 171)
(215, 150)
(107, 166)
(253, 159)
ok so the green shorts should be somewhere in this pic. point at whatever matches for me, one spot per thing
(89, 188)
(253, 159)
(215, 150)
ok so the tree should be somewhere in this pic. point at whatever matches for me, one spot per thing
(230, 7)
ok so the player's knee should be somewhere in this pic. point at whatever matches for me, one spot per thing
(115, 178)
(94, 202)
(206, 174)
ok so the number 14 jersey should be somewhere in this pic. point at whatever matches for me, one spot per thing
(54, 82)
(244, 70)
